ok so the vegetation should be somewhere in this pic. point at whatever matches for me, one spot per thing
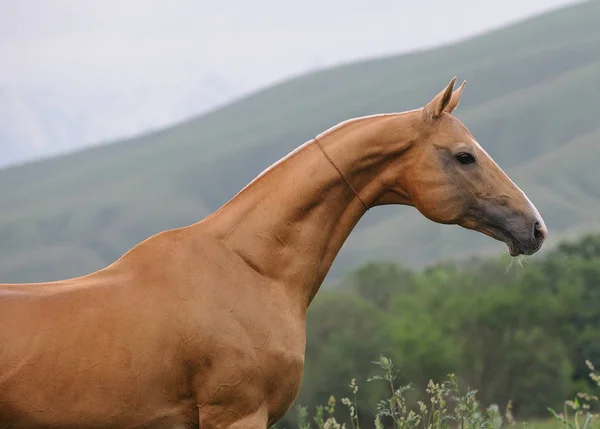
(446, 407)
(531, 101)
(524, 337)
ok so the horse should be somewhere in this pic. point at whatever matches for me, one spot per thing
(205, 325)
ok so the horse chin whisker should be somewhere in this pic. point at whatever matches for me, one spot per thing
(517, 261)
(522, 259)
(511, 262)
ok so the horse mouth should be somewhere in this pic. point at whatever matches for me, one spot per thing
(515, 246)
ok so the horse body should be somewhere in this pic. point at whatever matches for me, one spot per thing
(133, 344)
(96, 351)
(204, 326)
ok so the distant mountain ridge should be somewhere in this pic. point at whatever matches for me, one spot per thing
(532, 97)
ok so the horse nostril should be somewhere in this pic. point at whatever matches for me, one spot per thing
(538, 232)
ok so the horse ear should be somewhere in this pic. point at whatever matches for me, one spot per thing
(455, 99)
(435, 107)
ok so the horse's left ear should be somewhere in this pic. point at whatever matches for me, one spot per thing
(455, 99)
(435, 107)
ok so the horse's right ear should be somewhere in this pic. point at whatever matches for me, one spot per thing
(455, 98)
(435, 107)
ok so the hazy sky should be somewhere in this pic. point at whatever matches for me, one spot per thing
(78, 72)
(97, 45)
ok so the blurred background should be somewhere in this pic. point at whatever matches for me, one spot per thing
(119, 119)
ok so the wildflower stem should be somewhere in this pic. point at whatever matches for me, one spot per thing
(356, 408)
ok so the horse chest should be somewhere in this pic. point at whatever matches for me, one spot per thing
(284, 377)
(253, 366)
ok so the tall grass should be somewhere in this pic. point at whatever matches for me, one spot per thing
(447, 407)
(584, 407)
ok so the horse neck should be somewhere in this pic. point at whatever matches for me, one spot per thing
(291, 221)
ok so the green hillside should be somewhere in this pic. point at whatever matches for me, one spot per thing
(532, 100)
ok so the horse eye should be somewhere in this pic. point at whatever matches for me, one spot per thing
(465, 158)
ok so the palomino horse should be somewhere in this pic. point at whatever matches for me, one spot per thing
(204, 326)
